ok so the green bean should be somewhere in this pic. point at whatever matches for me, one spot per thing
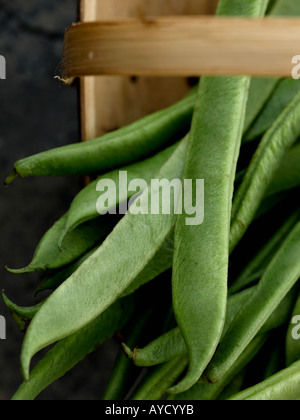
(280, 277)
(113, 150)
(201, 267)
(281, 314)
(171, 344)
(90, 290)
(266, 161)
(204, 391)
(123, 373)
(70, 351)
(83, 207)
(127, 145)
(159, 264)
(54, 279)
(283, 386)
(21, 315)
(281, 97)
(292, 343)
(260, 262)
(156, 383)
(48, 255)
(288, 175)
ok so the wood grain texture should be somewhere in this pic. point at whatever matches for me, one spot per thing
(183, 47)
(109, 102)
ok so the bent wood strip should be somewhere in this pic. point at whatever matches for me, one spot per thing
(182, 46)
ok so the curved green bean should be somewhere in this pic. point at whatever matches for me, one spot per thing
(48, 255)
(264, 165)
(280, 277)
(214, 143)
(70, 351)
(21, 315)
(83, 207)
(54, 279)
(129, 144)
(160, 263)
(284, 386)
(90, 290)
(293, 337)
(113, 150)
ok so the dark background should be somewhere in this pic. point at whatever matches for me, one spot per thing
(36, 113)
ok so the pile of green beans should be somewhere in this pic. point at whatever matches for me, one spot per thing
(196, 305)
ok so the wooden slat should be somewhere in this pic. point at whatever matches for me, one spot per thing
(182, 46)
(109, 102)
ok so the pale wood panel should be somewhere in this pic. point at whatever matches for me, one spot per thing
(109, 102)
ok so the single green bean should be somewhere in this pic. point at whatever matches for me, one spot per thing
(130, 144)
(281, 97)
(157, 382)
(70, 351)
(204, 391)
(283, 386)
(90, 290)
(280, 277)
(263, 167)
(113, 150)
(161, 262)
(293, 337)
(48, 255)
(200, 269)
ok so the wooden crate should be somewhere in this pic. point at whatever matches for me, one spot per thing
(109, 102)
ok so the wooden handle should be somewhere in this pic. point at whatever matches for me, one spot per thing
(182, 46)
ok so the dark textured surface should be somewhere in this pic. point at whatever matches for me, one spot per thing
(37, 113)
